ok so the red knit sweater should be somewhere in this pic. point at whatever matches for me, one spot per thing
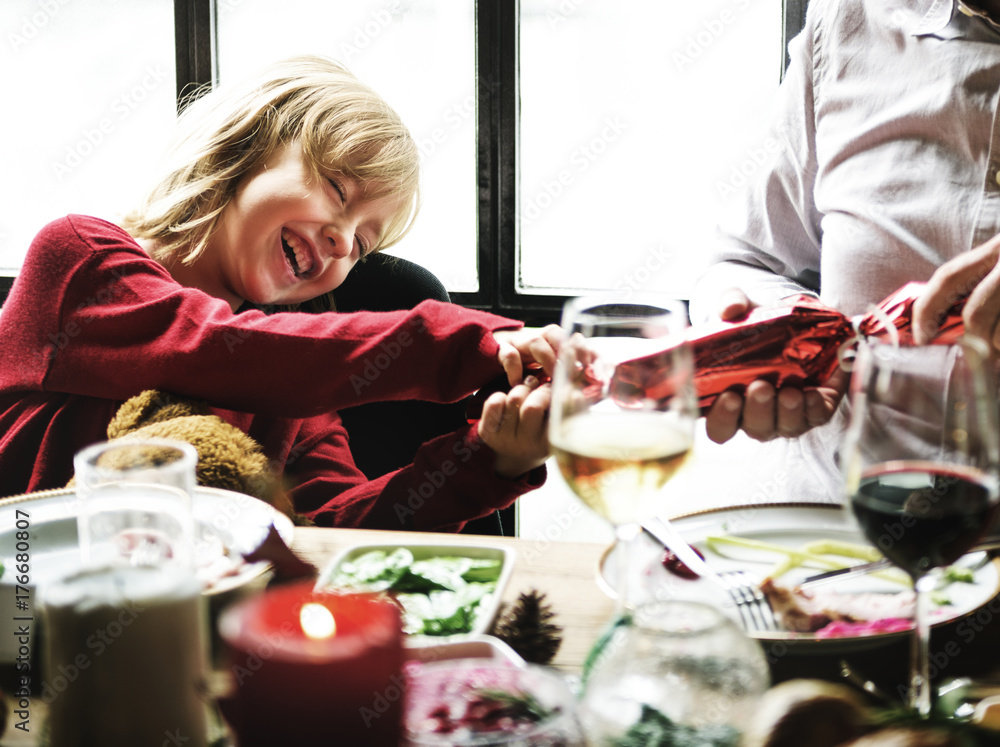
(92, 320)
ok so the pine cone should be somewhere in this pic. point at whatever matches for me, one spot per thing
(527, 627)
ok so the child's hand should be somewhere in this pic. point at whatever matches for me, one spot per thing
(515, 425)
(518, 347)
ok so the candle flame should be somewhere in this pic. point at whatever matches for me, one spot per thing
(317, 621)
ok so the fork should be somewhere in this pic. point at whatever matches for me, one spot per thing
(742, 588)
(752, 604)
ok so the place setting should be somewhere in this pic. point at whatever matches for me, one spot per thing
(904, 552)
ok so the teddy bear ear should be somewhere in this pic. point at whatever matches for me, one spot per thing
(133, 413)
(152, 406)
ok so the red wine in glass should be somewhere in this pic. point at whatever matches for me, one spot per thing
(923, 515)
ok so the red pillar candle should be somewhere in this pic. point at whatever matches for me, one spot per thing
(312, 667)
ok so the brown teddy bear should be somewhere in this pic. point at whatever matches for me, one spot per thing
(227, 457)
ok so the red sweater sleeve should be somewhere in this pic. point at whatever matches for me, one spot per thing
(450, 482)
(93, 315)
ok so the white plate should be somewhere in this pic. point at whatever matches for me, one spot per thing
(237, 523)
(789, 525)
(488, 608)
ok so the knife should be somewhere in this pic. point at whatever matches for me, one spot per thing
(989, 543)
(848, 572)
(664, 533)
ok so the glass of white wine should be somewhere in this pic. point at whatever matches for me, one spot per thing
(623, 411)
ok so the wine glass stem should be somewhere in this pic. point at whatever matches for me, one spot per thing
(920, 684)
(625, 544)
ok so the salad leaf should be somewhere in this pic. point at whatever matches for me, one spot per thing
(374, 571)
(439, 595)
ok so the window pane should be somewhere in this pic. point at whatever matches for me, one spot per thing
(420, 56)
(90, 101)
(637, 117)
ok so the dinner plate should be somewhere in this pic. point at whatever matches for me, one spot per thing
(229, 524)
(789, 525)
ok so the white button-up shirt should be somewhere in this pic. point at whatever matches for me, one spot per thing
(888, 165)
(888, 162)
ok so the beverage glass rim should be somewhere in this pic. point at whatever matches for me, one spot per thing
(577, 307)
(85, 459)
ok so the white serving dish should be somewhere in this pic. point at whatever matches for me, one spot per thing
(488, 608)
(469, 647)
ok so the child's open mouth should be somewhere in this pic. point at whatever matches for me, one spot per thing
(297, 253)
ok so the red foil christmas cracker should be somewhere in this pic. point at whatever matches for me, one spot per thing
(796, 344)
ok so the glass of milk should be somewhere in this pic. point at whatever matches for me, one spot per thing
(124, 651)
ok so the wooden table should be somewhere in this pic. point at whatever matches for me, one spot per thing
(566, 572)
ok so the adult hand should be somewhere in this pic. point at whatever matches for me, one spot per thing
(976, 274)
(515, 426)
(518, 347)
(764, 413)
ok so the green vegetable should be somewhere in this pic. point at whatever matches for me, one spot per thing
(814, 554)
(656, 730)
(374, 571)
(439, 596)
(940, 599)
(523, 707)
(957, 574)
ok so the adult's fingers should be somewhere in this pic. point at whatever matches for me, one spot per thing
(723, 419)
(758, 411)
(982, 310)
(790, 418)
(734, 305)
(953, 280)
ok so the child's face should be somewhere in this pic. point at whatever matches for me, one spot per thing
(287, 237)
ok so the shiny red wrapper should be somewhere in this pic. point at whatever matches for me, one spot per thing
(796, 344)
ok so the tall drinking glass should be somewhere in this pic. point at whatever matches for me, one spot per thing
(125, 650)
(623, 410)
(135, 502)
(920, 464)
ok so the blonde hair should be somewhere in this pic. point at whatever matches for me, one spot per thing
(226, 135)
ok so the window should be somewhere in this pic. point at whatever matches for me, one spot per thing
(567, 144)
(636, 118)
(395, 47)
(90, 92)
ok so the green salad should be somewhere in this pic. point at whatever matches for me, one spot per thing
(439, 595)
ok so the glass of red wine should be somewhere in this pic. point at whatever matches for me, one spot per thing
(920, 463)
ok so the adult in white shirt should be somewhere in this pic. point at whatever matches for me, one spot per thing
(889, 168)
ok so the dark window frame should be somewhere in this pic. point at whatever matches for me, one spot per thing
(497, 135)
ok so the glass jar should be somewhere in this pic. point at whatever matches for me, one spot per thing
(680, 666)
